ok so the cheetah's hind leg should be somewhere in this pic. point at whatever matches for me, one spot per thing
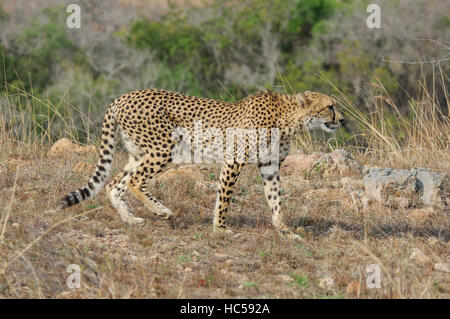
(138, 183)
(116, 191)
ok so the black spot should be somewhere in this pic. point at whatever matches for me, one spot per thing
(86, 192)
(82, 193)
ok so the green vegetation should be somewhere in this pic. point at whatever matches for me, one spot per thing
(52, 76)
(301, 281)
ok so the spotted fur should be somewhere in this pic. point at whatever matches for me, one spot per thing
(146, 120)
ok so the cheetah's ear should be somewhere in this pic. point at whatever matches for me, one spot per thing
(308, 96)
(300, 98)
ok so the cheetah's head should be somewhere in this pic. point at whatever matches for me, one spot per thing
(322, 111)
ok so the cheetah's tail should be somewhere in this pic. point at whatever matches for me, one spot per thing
(103, 168)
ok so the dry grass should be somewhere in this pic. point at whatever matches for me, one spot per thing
(157, 261)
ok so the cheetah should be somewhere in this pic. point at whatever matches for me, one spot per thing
(147, 120)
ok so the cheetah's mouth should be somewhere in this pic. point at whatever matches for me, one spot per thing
(329, 127)
(315, 123)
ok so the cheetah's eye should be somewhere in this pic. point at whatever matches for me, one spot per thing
(331, 109)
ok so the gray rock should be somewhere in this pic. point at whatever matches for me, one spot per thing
(433, 187)
(441, 267)
(418, 256)
(407, 187)
(388, 185)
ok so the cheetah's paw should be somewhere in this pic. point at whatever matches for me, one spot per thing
(223, 231)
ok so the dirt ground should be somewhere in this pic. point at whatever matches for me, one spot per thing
(345, 246)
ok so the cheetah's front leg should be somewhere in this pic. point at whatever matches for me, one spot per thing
(228, 177)
(272, 190)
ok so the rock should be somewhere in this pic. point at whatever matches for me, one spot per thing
(83, 167)
(404, 188)
(65, 148)
(418, 256)
(298, 163)
(60, 148)
(285, 278)
(89, 149)
(389, 185)
(339, 161)
(441, 267)
(353, 288)
(326, 283)
(433, 187)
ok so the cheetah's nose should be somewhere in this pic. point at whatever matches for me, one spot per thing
(341, 121)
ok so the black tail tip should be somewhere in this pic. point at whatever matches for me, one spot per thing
(68, 200)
